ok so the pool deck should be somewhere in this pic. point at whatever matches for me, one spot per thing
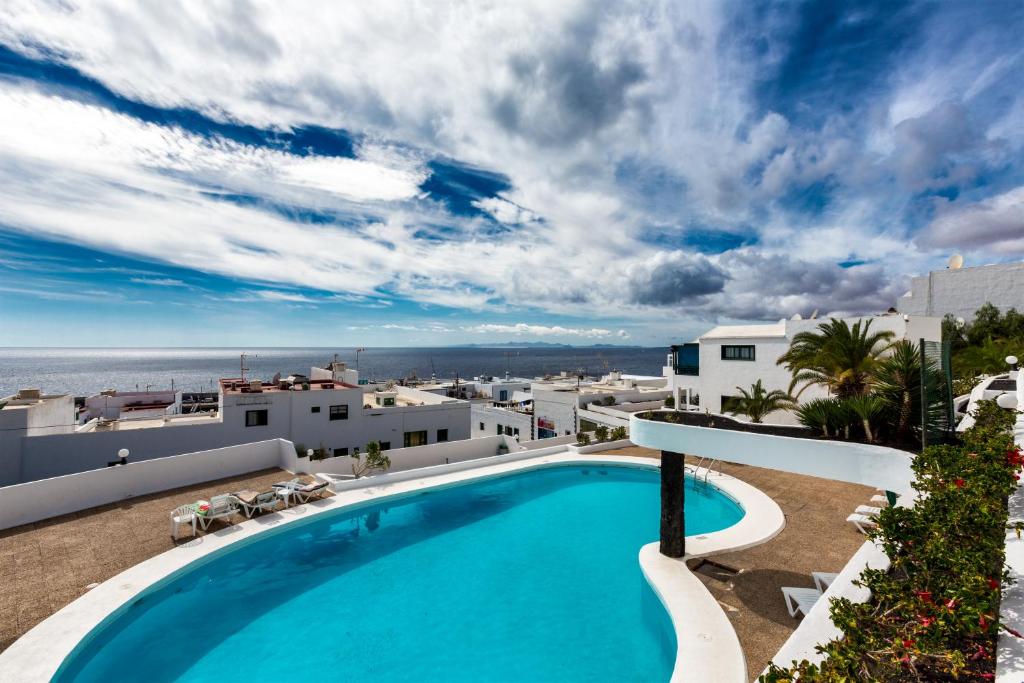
(46, 565)
(817, 537)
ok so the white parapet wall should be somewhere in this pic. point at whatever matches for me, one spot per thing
(1010, 650)
(856, 463)
(45, 498)
(418, 456)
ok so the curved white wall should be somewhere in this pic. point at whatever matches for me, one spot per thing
(877, 466)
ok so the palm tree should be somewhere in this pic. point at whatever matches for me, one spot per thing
(758, 402)
(867, 408)
(837, 356)
(818, 414)
(989, 358)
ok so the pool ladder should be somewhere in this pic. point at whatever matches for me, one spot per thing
(711, 462)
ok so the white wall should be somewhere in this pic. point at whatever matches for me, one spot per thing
(962, 292)
(422, 456)
(33, 501)
(876, 466)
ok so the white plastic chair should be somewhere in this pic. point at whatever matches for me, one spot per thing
(183, 514)
(800, 599)
(822, 580)
(221, 507)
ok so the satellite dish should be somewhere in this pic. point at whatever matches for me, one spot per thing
(797, 316)
(956, 262)
(277, 378)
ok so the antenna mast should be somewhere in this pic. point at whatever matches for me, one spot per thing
(242, 367)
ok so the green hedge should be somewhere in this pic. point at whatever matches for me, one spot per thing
(934, 615)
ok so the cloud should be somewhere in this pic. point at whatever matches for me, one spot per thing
(995, 223)
(520, 329)
(158, 281)
(673, 278)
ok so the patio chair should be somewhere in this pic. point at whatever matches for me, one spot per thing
(251, 502)
(864, 523)
(822, 580)
(302, 491)
(800, 599)
(221, 507)
(183, 514)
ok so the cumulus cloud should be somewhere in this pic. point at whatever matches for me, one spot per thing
(996, 223)
(620, 131)
(520, 329)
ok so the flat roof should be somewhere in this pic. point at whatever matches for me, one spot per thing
(241, 387)
(746, 331)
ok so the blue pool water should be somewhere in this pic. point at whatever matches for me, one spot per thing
(528, 577)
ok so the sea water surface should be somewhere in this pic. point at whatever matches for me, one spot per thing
(527, 577)
(83, 372)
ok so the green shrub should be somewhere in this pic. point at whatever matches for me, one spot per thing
(582, 438)
(933, 615)
(670, 402)
(601, 434)
(618, 434)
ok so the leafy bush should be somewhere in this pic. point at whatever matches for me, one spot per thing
(618, 434)
(820, 414)
(375, 460)
(582, 438)
(670, 402)
(608, 401)
(933, 615)
(601, 434)
(758, 402)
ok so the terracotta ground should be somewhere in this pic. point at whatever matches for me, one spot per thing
(46, 565)
(817, 537)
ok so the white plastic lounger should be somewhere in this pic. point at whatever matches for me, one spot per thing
(822, 580)
(880, 498)
(221, 507)
(863, 522)
(800, 599)
(251, 502)
(301, 491)
(869, 510)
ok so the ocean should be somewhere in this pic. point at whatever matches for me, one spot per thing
(82, 371)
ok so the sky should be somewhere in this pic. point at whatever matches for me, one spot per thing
(395, 173)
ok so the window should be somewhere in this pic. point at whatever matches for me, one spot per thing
(442, 435)
(515, 432)
(482, 426)
(499, 429)
(315, 409)
(686, 359)
(384, 445)
(508, 430)
(255, 418)
(340, 451)
(503, 395)
(339, 412)
(417, 438)
(737, 352)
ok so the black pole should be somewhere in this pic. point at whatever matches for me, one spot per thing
(673, 536)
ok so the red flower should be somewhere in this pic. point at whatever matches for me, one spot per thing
(908, 643)
(926, 596)
(982, 622)
(951, 603)
(993, 584)
(926, 621)
(959, 483)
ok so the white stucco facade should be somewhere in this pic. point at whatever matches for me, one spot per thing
(963, 291)
(734, 356)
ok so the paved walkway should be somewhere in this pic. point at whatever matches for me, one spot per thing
(817, 537)
(46, 565)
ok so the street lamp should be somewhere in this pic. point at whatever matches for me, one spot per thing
(122, 456)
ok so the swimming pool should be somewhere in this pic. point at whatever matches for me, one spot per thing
(525, 577)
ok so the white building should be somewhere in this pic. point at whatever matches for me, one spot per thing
(509, 419)
(557, 404)
(731, 356)
(962, 291)
(325, 413)
(111, 404)
(30, 413)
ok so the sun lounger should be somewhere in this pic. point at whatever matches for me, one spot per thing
(252, 502)
(869, 510)
(864, 523)
(220, 507)
(800, 599)
(880, 498)
(302, 491)
(822, 580)
(183, 514)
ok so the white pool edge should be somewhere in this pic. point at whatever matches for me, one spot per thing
(714, 647)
